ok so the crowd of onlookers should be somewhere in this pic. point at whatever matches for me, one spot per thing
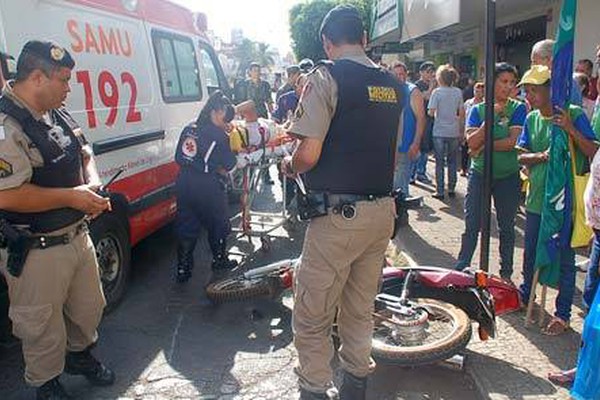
(449, 121)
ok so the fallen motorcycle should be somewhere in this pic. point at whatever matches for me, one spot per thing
(421, 315)
(424, 314)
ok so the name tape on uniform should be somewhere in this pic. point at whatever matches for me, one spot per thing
(382, 94)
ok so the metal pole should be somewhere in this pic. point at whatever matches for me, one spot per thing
(490, 61)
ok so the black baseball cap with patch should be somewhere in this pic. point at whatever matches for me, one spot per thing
(49, 52)
(342, 15)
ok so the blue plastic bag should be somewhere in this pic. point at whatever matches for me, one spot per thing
(587, 380)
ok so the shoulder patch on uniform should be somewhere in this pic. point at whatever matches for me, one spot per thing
(299, 112)
(189, 148)
(2, 133)
(6, 168)
(321, 64)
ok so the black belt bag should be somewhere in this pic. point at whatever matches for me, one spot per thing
(313, 205)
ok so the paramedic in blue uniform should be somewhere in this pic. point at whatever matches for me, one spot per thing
(205, 158)
(347, 122)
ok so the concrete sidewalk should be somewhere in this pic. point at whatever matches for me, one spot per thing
(515, 364)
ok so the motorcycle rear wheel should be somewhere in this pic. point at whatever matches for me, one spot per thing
(436, 347)
(239, 288)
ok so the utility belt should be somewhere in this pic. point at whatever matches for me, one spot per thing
(20, 241)
(318, 204)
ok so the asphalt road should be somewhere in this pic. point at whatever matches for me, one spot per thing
(166, 341)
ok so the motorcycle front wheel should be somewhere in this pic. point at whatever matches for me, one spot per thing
(436, 332)
(239, 288)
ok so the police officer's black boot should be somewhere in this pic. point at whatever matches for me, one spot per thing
(185, 260)
(220, 259)
(353, 387)
(84, 363)
(51, 390)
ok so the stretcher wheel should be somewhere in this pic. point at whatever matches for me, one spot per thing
(265, 244)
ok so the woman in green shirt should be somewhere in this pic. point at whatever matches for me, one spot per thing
(509, 116)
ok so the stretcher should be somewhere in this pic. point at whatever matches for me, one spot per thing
(258, 146)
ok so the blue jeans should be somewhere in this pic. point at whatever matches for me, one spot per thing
(593, 275)
(566, 284)
(506, 193)
(402, 173)
(419, 166)
(446, 153)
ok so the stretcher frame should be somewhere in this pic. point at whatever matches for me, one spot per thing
(249, 223)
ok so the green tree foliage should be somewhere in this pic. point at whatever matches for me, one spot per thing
(305, 21)
(248, 51)
(264, 55)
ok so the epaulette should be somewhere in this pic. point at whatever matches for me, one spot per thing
(322, 63)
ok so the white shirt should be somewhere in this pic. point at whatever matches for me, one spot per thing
(592, 194)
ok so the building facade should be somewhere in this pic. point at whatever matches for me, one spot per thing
(454, 31)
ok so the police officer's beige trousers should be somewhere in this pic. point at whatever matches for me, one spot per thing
(340, 270)
(55, 305)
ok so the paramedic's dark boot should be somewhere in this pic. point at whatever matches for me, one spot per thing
(84, 363)
(51, 390)
(353, 387)
(221, 261)
(267, 177)
(185, 260)
(331, 394)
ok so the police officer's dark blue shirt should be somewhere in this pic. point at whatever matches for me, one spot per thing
(205, 150)
(287, 103)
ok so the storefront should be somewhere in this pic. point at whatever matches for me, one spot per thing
(452, 30)
(514, 41)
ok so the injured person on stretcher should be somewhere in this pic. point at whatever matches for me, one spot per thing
(255, 139)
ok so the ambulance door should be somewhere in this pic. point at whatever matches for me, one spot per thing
(181, 90)
(212, 72)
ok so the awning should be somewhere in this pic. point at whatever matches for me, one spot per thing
(405, 20)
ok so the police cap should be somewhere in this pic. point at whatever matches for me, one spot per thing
(306, 64)
(49, 52)
(292, 69)
(344, 17)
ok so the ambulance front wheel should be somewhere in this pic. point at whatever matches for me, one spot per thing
(113, 252)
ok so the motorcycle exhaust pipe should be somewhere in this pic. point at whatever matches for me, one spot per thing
(455, 363)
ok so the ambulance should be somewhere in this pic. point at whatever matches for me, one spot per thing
(144, 70)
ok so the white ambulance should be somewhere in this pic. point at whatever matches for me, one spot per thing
(144, 70)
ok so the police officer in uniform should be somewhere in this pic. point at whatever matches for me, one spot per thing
(347, 121)
(205, 158)
(48, 184)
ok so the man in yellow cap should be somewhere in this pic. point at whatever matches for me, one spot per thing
(534, 144)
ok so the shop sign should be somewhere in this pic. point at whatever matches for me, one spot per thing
(426, 16)
(387, 16)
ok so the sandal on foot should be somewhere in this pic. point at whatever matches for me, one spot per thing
(555, 327)
(563, 378)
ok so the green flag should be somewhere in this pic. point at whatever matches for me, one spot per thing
(556, 225)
